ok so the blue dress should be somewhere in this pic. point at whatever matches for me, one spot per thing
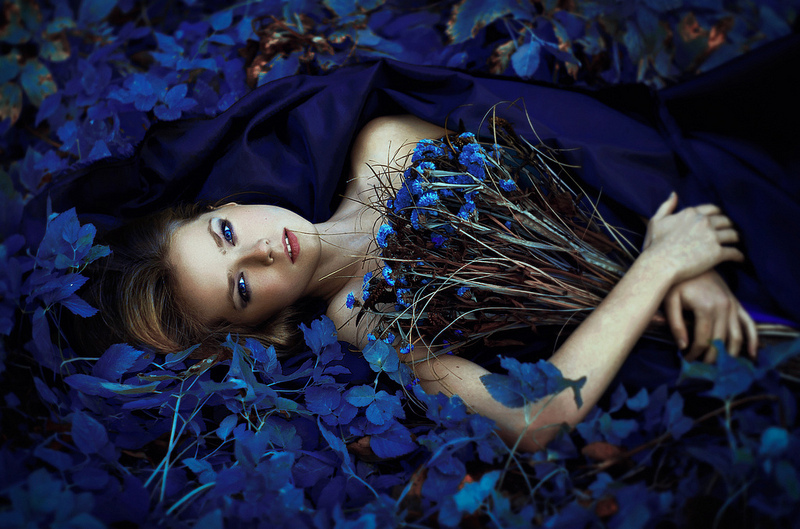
(721, 137)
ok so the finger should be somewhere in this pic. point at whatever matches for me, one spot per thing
(751, 331)
(734, 332)
(728, 236)
(708, 209)
(674, 313)
(702, 336)
(731, 254)
(720, 222)
(720, 332)
(667, 207)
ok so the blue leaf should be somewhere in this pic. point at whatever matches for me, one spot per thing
(250, 447)
(394, 442)
(221, 19)
(226, 426)
(78, 306)
(384, 408)
(174, 358)
(45, 392)
(118, 360)
(338, 446)
(45, 352)
(468, 499)
(265, 357)
(221, 38)
(92, 11)
(61, 460)
(471, 15)
(99, 151)
(341, 7)
(381, 357)
(280, 68)
(639, 401)
(360, 396)
(321, 333)
(734, 375)
(774, 441)
(89, 435)
(525, 60)
(504, 389)
(48, 106)
(322, 400)
(37, 81)
(634, 42)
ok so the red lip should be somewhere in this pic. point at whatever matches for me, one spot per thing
(295, 246)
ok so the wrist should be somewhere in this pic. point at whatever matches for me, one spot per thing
(658, 270)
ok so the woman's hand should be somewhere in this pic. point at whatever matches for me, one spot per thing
(717, 315)
(690, 242)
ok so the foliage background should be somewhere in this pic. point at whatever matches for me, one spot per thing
(333, 441)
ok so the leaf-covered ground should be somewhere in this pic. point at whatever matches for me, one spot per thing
(326, 440)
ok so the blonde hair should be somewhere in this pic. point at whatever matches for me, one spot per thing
(135, 290)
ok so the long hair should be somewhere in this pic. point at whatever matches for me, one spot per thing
(135, 289)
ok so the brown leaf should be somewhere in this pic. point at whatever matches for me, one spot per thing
(601, 451)
(606, 507)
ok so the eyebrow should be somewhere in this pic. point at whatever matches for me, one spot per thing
(231, 282)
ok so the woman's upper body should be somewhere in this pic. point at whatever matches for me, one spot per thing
(242, 264)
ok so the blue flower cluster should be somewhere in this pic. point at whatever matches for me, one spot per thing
(383, 232)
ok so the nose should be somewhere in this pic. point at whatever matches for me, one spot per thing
(259, 253)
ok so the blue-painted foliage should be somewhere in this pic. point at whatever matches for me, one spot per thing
(131, 439)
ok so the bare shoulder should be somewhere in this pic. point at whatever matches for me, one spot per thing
(386, 142)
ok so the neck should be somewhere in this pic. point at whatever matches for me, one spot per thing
(343, 248)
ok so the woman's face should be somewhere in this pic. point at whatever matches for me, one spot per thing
(243, 264)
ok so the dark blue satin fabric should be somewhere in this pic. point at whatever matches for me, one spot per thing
(716, 138)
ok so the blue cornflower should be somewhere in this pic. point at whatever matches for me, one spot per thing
(428, 199)
(461, 291)
(402, 200)
(426, 149)
(413, 383)
(415, 187)
(438, 240)
(365, 286)
(426, 166)
(401, 294)
(407, 349)
(389, 338)
(470, 196)
(508, 224)
(466, 136)
(415, 219)
(473, 156)
(387, 275)
(508, 185)
(351, 300)
(466, 210)
(383, 232)
(371, 337)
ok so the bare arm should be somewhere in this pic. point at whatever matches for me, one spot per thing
(683, 245)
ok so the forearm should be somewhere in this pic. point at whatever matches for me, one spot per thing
(595, 350)
(601, 344)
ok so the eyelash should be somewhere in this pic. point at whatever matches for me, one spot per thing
(226, 230)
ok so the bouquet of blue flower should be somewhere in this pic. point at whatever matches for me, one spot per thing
(488, 237)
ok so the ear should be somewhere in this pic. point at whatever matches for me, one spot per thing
(225, 205)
